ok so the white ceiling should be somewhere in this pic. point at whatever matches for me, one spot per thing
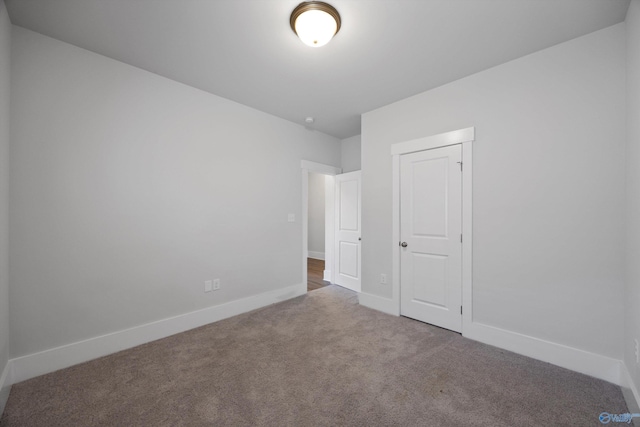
(244, 50)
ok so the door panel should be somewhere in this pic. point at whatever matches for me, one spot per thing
(349, 259)
(349, 210)
(431, 269)
(430, 224)
(429, 204)
(348, 215)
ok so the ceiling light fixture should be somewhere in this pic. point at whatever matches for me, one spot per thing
(315, 22)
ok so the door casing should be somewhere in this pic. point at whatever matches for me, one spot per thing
(465, 138)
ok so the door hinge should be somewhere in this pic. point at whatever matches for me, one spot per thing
(460, 163)
(460, 309)
(460, 238)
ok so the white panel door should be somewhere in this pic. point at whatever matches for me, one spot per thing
(347, 222)
(430, 232)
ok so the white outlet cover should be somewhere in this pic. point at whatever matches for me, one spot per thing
(291, 218)
(207, 286)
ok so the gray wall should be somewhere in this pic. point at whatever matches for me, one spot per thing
(5, 54)
(548, 195)
(351, 153)
(316, 213)
(129, 190)
(632, 292)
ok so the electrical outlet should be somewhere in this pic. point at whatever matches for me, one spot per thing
(216, 284)
(637, 351)
(207, 286)
(383, 279)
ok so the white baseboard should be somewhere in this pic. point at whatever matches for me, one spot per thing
(5, 386)
(629, 390)
(316, 255)
(385, 305)
(33, 365)
(326, 275)
(595, 365)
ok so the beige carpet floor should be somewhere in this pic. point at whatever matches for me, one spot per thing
(317, 360)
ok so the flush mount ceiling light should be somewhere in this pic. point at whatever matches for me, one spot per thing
(315, 22)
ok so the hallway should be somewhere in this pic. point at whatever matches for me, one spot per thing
(315, 272)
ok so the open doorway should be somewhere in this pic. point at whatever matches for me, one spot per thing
(316, 232)
(342, 251)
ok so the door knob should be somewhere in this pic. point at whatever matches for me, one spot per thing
(403, 244)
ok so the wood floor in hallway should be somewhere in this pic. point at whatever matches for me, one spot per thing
(315, 273)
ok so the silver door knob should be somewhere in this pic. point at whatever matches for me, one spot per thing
(403, 244)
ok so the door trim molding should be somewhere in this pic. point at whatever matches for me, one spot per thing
(435, 141)
(319, 168)
(465, 137)
(306, 167)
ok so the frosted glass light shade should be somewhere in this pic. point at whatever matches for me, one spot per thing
(315, 23)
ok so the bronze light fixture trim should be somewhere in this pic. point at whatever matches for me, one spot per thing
(320, 11)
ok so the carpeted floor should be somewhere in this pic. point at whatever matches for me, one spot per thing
(317, 360)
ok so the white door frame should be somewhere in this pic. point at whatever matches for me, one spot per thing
(307, 167)
(465, 137)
